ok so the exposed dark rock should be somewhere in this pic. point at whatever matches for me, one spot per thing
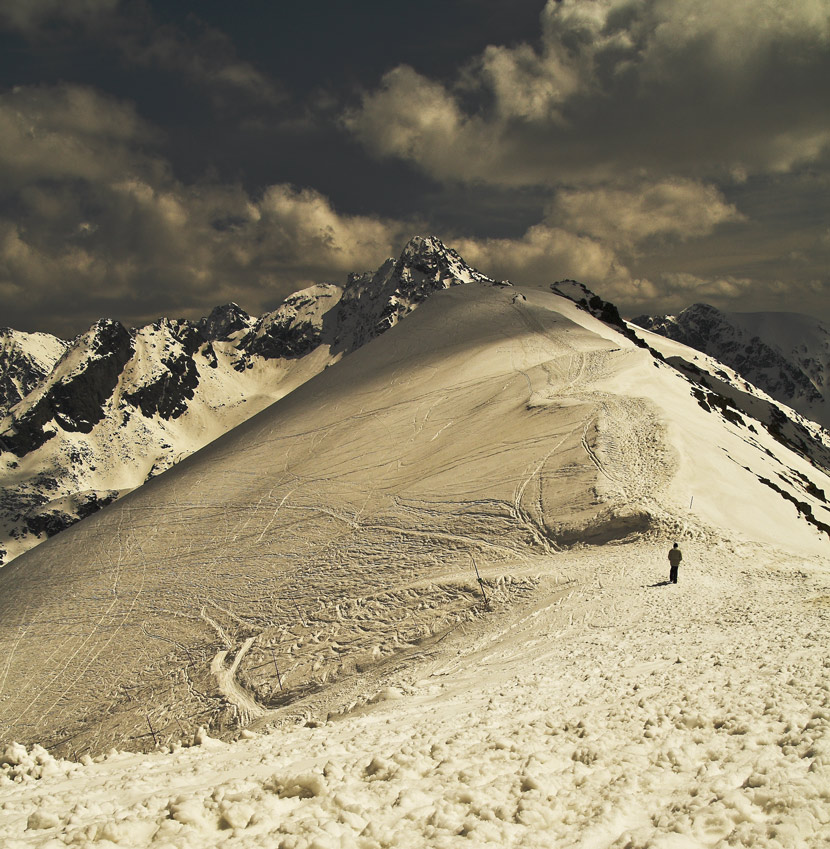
(75, 402)
(707, 329)
(301, 323)
(713, 393)
(375, 301)
(605, 311)
(168, 394)
(223, 322)
(52, 520)
(804, 509)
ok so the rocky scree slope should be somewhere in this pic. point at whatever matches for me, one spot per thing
(83, 422)
(785, 354)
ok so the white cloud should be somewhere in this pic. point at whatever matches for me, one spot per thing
(100, 223)
(545, 254)
(412, 117)
(628, 216)
(691, 287)
(304, 223)
(541, 256)
(681, 88)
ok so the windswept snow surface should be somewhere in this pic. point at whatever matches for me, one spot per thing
(334, 538)
(604, 712)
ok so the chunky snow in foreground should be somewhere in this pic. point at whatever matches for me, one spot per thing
(608, 710)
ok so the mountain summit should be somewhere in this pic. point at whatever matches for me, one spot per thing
(84, 422)
(467, 463)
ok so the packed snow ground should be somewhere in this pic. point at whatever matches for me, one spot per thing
(606, 710)
(335, 535)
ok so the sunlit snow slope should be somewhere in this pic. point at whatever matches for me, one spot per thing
(336, 533)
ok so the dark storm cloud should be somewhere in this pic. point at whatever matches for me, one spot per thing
(201, 54)
(30, 16)
(700, 88)
(190, 48)
(643, 118)
(662, 151)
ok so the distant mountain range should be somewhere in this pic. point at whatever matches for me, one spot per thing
(84, 422)
(785, 354)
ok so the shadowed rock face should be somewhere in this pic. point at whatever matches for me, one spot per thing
(303, 321)
(167, 395)
(791, 373)
(74, 402)
(223, 322)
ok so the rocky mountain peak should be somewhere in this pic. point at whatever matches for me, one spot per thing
(427, 257)
(224, 321)
(785, 367)
(373, 302)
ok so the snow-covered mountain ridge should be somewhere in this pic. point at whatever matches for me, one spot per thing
(785, 354)
(301, 559)
(25, 360)
(88, 420)
(425, 593)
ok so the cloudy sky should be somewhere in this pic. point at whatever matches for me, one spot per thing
(158, 157)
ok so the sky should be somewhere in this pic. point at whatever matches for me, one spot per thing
(160, 158)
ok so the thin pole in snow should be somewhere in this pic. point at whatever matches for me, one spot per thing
(691, 502)
(279, 680)
(480, 582)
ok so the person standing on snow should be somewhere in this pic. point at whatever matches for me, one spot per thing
(674, 559)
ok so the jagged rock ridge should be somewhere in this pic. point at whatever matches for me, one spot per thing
(88, 420)
(785, 354)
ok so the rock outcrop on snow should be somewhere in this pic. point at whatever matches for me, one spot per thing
(25, 360)
(785, 354)
(373, 302)
(592, 303)
(88, 420)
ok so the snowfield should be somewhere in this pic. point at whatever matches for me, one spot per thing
(306, 588)
(603, 712)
